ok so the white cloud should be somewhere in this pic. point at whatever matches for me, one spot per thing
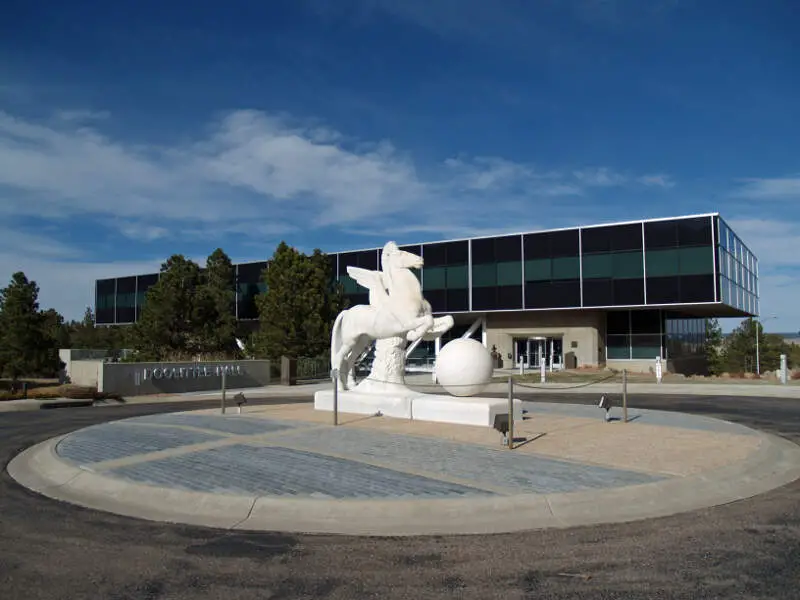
(67, 285)
(82, 115)
(600, 177)
(247, 174)
(663, 181)
(779, 188)
(774, 242)
(247, 167)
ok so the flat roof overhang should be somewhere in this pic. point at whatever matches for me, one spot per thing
(703, 310)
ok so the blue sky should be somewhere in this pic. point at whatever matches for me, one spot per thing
(133, 130)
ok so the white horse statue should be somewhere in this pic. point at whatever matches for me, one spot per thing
(396, 309)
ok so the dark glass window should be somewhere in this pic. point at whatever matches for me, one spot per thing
(618, 347)
(612, 238)
(661, 234)
(249, 284)
(446, 272)
(143, 283)
(596, 239)
(497, 297)
(697, 288)
(663, 290)
(694, 260)
(564, 243)
(694, 232)
(366, 259)
(445, 253)
(645, 346)
(628, 292)
(617, 322)
(126, 300)
(552, 294)
(104, 301)
(552, 269)
(499, 249)
(598, 292)
(646, 321)
(613, 265)
(496, 263)
(551, 244)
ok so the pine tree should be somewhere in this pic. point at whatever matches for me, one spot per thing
(713, 348)
(28, 344)
(84, 333)
(167, 327)
(215, 305)
(297, 309)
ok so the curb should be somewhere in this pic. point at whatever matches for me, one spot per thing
(35, 404)
(775, 463)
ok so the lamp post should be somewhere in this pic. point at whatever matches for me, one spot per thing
(758, 358)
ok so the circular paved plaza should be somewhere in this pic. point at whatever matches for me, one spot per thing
(286, 468)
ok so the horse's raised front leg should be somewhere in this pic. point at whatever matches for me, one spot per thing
(419, 327)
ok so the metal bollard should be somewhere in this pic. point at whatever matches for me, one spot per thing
(222, 407)
(335, 377)
(624, 395)
(510, 413)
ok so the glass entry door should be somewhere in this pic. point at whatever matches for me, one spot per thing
(531, 352)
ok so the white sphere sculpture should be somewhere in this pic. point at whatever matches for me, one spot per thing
(464, 367)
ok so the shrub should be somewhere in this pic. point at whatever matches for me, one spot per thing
(73, 392)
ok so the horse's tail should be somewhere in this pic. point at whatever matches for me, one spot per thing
(336, 338)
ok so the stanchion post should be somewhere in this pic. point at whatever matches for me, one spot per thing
(510, 413)
(223, 391)
(624, 395)
(335, 377)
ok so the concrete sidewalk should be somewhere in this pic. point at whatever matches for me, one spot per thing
(424, 383)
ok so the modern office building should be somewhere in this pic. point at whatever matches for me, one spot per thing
(617, 295)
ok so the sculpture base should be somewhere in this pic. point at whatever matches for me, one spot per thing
(440, 408)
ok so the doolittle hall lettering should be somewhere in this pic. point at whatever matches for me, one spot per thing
(191, 372)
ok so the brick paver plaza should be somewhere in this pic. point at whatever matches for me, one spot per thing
(270, 457)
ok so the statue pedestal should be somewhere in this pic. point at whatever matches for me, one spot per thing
(409, 404)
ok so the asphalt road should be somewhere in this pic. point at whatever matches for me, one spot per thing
(749, 549)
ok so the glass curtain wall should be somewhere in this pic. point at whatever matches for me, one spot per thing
(126, 300)
(552, 269)
(738, 272)
(613, 265)
(635, 334)
(497, 273)
(143, 283)
(104, 302)
(364, 259)
(647, 334)
(680, 261)
(249, 284)
(445, 276)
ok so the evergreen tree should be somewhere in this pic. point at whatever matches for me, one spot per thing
(741, 348)
(713, 348)
(27, 343)
(167, 327)
(215, 305)
(297, 309)
(84, 333)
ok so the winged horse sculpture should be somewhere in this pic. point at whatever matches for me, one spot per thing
(396, 309)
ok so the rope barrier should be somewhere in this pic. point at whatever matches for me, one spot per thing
(569, 387)
(438, 386)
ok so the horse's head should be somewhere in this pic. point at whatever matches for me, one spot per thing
(394, 258)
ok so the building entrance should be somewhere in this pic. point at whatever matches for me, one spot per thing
(531, 352)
